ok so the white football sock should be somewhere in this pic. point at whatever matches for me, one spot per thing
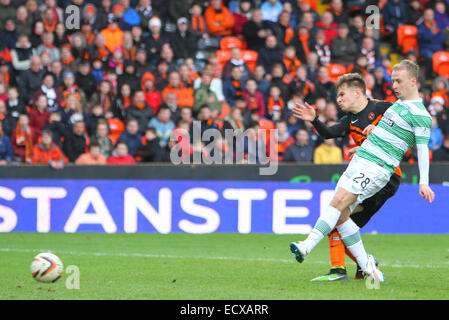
(350, 235)
(323, 226)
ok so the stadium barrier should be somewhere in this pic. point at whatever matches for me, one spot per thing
(200, 199)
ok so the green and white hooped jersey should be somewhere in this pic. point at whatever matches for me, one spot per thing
(403, 125)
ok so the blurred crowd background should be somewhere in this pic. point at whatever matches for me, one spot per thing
(122, 82)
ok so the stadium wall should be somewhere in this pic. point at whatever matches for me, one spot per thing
(200, 199)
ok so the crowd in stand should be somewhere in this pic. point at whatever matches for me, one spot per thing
(125, 84)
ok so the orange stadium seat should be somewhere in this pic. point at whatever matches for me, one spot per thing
(116, 128)
(335, 70)
(407, 37)
(228, 43)
(225, 111)
(250, 58)
(223, 56)
(441, 63)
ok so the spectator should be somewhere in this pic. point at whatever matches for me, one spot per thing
(95, 18)
(256, 31)
(328, 27)
(371, 52)
(275, 104)
(6, 150)
(291, 62)
(343, 48)
(130, 16)
(93, 157)
(76, 141)
(218, 19)
(184, 94)
(121, 155)
(271, 9)
(253, 98)
(301, 150)
(163, 125)
(442, 154)
(23, 139)
(328, 153)
(85, 80)
(262, 85)
(7, 11)
(74, 111)
(30, 80)
(436, 135)
(132, 137)
(48, 46)
(205, 96)
(9, 35)
(14, 106)
(151, 150)
(197, 22)
(141, 111)
(284, 139)
(183, 42)
(129, 76)
(8, 122)
(57, 128)
(113, 35)
(21, 54)
(47, 152)
(52, 93)
(430, 40)
(395, 13)
(104, 97)
(146, 11)
(236, 61)
(325, 87)
(152, 95)
(155, 40)
(101, 137)
(39, 114)
(178, 9)
(233, 87)
(270, 54)
(241, 16)
(23, 21)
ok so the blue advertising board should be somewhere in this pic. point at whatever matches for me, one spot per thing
(190, 206)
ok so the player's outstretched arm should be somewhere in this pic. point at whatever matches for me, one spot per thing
(423, 163)
(307, 112)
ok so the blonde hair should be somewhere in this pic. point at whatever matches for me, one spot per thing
(408, 65)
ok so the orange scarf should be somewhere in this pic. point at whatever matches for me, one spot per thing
(25, 139)
(432, 24)
(198, 24)
(272, 103)
(69, 61)
(238, 89)
(305, 44)
(140, 106)
(49, 26)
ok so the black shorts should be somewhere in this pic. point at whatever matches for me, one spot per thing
(373, 204)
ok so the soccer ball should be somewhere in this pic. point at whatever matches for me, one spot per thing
(46, 267)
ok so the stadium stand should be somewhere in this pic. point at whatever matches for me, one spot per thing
(129, 59)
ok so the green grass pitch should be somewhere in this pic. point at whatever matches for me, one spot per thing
(218, 266)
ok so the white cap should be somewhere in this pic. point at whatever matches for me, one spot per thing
(155, 22)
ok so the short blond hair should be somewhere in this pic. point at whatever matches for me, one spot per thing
(408, 65)
(352, 80)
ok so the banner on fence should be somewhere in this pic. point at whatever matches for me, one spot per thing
(162, 206)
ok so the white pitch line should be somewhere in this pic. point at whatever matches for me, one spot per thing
(163, 256)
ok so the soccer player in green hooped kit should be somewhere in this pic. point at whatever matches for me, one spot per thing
(362, 115)
(403, 125)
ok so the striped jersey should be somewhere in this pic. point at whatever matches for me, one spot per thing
(403, 125)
